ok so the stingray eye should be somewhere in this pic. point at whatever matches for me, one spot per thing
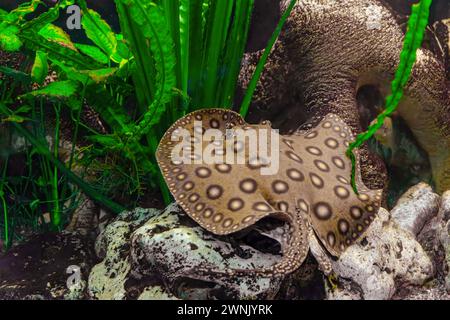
(415, 168)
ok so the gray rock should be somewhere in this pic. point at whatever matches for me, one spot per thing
(107, 279)
(156, 293)
(443, 234)
(417, 206)
(166, 245)
(142, 245)
(389, 257)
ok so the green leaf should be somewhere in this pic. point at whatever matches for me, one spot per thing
(58, 53)
(23, 109)
(58, 89)
(16, 74)
(34, 204)
(40, 67)
(101, 75)
(72, 73)
(110, 111)
(15, 118)
(93, 52)
(55, 34)
(17, 15)
(98, 30)
(9, 39)
(87, 77)
(123, 50)
(108, 141)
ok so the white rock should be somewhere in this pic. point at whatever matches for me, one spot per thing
(107, 279)
(156, 293)
(416, 207)
(174, 251)
(443, 230)
(389, 257)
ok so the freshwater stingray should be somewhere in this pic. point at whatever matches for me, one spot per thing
(311, 189)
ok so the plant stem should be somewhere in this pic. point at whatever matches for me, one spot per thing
(56, 215)
(5, 208)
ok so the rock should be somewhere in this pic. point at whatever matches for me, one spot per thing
(151, 254)
(174, 248)
(417, 206)
(433, 291)
(387, 258)
(144, 251)
(156, 293)
(442, 233)
(107, 279)
(76, 291)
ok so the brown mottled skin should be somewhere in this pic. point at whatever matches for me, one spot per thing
(326, 53)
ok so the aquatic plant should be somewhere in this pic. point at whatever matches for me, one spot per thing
(172, 57)
(417, 24)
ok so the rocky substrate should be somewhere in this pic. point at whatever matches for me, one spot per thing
(150, 254)
(153, 254)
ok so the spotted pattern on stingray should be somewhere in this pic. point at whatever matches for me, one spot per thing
(223, 168)
(311, 185)
(235, 204)
(314, 151)
(332, 143)
(291, 155)
(295, 175)
(203, 172)
(248, 185)
(323, 211)
(214, 192)
(321, 165)
(280, 186)
(316, 180)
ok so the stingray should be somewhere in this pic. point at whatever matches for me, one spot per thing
(310, 188)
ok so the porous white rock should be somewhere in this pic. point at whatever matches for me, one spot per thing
(416, 207)
(156, 293)
(387, 257)
(443, 234)
(144, 243)
(174, 250)
(107, 279)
